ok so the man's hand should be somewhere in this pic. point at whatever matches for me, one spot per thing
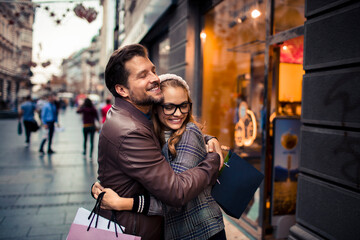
(96, 189)
(214, 145)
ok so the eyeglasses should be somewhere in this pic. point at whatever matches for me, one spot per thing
(170, 109)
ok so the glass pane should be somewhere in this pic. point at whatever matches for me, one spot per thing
(290, 76)
(164, 49)
(288, 14)
(233, 41)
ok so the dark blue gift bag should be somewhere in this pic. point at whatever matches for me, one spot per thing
(239, 181)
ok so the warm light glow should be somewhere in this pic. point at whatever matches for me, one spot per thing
(255, 13)
(285, 48)
(203, 35)
(239, 20)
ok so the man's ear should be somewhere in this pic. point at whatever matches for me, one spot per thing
(122, 91)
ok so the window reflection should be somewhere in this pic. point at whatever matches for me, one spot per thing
(233, 41)
(288, 14)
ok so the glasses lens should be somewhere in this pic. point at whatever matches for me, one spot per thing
(170, 109)
(185, 107)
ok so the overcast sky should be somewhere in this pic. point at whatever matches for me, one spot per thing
(54, 42)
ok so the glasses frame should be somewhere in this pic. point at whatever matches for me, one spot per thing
(177, 106)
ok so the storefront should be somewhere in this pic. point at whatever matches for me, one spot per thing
(252, 55)
(243, 61)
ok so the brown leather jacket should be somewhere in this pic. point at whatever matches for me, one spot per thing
(130, 162)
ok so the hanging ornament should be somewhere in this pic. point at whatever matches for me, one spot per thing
(46, 8)
(45, 64)
(80, 10)
(52, 14)
(58, 21)
(91, 15)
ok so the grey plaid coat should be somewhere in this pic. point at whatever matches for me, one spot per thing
(201, 217)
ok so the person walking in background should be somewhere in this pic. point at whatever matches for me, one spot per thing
(184, 148)
(49, 117)
(27, 110)
(105, 109)
(89, 115)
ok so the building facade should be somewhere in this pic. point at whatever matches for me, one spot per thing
(82, 70)
(16, 21)
(268, 78)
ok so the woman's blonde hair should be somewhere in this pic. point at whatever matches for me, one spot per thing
(158, 127)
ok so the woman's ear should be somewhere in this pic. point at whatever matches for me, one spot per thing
(122, 91)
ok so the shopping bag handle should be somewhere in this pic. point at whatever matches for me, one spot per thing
(96, 211)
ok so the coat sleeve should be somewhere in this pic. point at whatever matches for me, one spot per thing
(145, 164)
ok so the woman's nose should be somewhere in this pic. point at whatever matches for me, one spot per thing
(177, 112)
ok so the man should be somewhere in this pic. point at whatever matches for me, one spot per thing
(27, 110)
(49, 117)
(130, 159)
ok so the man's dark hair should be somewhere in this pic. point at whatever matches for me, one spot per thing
(115, 72)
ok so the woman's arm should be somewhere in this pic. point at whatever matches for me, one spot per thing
(112, 201)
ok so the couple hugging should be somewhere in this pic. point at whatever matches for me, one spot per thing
(153, 164)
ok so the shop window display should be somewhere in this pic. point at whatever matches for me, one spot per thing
(288, 14)
(233, 42)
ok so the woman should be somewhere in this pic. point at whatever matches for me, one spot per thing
(89, 115)
(184, 148)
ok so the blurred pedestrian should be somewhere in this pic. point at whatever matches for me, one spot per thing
(105, 109)
(26, 112)
(89, 115)
(49, 118)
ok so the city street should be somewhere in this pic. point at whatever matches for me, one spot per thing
(40, 194)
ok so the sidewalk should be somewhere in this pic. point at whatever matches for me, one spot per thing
(40, 194)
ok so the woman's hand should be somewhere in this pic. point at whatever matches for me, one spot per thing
(112, 201)
(96, 189)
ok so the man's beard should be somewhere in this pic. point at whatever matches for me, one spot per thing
(145, 101)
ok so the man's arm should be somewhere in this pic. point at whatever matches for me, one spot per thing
(157, 176)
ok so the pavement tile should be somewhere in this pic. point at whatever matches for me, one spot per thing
(18, 211)
(50, 230)
(6, 188)
(41, 220)
(81, 198)
(45, 237)
(69, 210)
(11, 232)
(41, 200)
(8, 201)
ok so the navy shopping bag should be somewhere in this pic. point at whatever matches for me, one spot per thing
(239, 181)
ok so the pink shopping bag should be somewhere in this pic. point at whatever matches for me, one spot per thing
(79, 232)
(79, 228)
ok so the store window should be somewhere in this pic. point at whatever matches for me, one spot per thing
(233, 46)
(288, 14)
(160, 55)
(290, 76)
(287, 73)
